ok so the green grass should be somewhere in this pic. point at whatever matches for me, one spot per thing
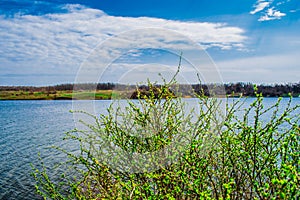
(42, 95)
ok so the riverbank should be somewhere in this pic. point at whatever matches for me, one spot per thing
(56, 95)
(85, 95)
(105, 91)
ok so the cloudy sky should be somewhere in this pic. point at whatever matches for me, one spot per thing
(60, 41)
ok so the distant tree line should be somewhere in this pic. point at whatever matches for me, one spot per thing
(61, 87)
(235, 89)
(276, 90)
(247, 89)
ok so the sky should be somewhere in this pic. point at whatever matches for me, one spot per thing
(64, 41)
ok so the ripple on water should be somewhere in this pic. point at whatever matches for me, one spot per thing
(29, 127)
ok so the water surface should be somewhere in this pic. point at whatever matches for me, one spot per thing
(29, 127)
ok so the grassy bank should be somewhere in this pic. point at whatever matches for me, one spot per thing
(81, 95)
(57, 95)
(106, 90)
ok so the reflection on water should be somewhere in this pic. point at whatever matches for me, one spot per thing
(29, 127)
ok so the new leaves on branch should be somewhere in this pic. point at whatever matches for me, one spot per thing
(249, 157)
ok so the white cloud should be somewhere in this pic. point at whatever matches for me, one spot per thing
(56, 44)
(275, 13)
(260, 5)
(69, 37)
(269, 9)
(272, 14)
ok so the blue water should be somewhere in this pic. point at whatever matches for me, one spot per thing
(26, 128)
(29, 127)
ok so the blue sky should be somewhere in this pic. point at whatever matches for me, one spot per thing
(60, 41)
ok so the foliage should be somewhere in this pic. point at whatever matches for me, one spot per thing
(239, 155)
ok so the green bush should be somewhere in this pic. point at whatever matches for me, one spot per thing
(234, 155)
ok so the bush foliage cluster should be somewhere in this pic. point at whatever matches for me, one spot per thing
(235, 156)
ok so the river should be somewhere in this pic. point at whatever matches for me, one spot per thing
(30, 127)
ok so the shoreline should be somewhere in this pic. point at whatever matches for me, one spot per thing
(110, 99)
(107, 91)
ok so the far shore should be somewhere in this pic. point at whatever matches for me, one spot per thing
(89, 95)
(107, 91)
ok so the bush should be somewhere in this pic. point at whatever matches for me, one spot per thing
(235, 156)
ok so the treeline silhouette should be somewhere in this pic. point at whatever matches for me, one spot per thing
(61, 87)
(235, 89)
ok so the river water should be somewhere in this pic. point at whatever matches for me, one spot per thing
(30, 127)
